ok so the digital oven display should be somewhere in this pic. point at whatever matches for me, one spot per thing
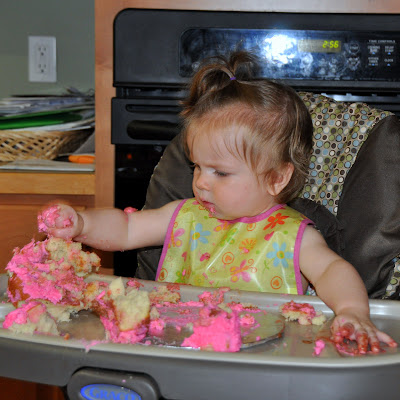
(319, 45)
(299, 54)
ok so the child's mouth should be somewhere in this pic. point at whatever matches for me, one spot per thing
(209, 206)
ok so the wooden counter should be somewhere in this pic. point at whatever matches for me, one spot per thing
(50, 183)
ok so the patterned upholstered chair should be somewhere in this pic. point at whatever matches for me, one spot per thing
(352, 192)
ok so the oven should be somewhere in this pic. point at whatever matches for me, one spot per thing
(351, 57)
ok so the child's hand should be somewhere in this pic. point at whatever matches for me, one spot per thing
(362, 330)
(59, 220)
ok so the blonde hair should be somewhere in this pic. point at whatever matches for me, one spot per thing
(224, 92)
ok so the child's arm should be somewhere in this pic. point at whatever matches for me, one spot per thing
(110, 229)
(339, 285)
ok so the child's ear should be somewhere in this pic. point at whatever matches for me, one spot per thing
(280, 179)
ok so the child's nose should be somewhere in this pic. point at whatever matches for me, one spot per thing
(202, 182)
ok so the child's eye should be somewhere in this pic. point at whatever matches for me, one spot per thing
(220, 173)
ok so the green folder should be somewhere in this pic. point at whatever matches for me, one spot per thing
(39, 119)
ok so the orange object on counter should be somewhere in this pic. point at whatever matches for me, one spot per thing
(81, 158)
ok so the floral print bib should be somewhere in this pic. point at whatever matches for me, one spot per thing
(258, 253)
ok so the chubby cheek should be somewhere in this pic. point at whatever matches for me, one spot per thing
(194, 180)
(194, 189)
(231, 198)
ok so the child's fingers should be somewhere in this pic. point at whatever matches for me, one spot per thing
(363, 338)
(339, 331)
(47, 218)
(365, 334)
(385, 338)
(355, 332)
(65, 219)
(64, 233)
(58, 220)
(369, 334)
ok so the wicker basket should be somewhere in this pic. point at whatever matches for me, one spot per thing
(22, 145)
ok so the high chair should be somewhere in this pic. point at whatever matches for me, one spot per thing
(352, 192)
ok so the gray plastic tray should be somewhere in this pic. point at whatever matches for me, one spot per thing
(284, 368)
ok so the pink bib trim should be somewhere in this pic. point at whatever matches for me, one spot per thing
(259, 217)
(168, 236)
(296, 254)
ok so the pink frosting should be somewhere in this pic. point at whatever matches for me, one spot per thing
(134, 283)
(30, 265)
(220, 333)
(319, 346)
(247, 320)
(118, 336)
(304, 308)
(214, 298)
(129, 210)
(213, 327)
(156, 327)
(25, 313)
(48, 217)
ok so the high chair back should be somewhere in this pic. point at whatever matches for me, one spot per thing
(352, 192)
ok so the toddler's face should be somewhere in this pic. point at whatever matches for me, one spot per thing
(223, 182)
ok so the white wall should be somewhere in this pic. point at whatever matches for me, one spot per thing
(70, 21)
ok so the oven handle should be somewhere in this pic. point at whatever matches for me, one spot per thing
(152, 130)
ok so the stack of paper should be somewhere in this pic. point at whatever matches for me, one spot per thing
(20, 112)
(36, 114)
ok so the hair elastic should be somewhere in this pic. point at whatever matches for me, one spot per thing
(233, 78)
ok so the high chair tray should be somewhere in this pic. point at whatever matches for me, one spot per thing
(283, 368)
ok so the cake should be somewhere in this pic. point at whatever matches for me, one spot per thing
(31, 317)
(52, 270)
(47, 286)
(304, 313)
(124, 312)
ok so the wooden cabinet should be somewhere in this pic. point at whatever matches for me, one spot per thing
(22, 195)
(12, 389)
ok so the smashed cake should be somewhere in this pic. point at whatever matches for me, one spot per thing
(47, 286)
(304, 313)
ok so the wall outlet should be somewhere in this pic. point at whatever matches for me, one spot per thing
(42, 59)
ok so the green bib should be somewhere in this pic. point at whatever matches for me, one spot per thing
(258, 253)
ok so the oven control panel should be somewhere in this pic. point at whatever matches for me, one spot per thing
(316, 51)
(300, 54)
